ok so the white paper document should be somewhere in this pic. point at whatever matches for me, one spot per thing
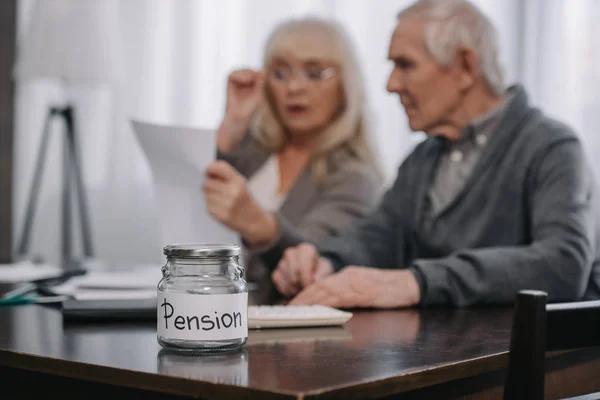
(178, 158)
(138, 283)
(114, 294)
(26, 272)
(140, 278)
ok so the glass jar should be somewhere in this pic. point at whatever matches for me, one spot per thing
(202, 299)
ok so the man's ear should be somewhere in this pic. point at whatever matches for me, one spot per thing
(468, 68)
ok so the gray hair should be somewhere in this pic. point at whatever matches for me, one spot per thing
(452, 24)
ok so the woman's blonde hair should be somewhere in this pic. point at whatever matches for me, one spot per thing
(348, 137)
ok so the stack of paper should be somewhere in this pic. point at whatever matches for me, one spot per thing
(139, 283)
(26, 272)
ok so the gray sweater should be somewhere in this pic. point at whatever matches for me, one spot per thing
(526, 218)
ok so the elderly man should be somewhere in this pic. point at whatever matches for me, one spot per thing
(499, 198)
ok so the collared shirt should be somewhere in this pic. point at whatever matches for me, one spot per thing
(458, 161)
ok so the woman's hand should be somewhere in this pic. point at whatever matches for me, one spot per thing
(229, 201)
(245, 90)
(300, 267)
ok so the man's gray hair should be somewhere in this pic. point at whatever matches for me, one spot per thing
(452, 24)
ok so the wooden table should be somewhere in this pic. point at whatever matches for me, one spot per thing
(421, 354)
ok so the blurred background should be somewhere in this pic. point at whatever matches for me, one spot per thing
(169, 62)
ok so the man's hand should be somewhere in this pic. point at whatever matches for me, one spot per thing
(229, 201)
(299, 267)
(363, 287)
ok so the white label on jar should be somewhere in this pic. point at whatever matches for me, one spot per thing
(202, 317)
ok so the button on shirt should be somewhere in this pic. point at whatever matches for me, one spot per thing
(458, 161)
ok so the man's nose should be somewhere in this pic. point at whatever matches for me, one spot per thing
(396, 82)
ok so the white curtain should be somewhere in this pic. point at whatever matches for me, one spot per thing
(560, 65)
(178, 55)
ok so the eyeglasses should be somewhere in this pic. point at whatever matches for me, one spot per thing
(283, 74)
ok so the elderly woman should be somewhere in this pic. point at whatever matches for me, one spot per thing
(296, 161)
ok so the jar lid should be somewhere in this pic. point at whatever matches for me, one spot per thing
(201, 250)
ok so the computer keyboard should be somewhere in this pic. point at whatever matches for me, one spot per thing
(295, 316)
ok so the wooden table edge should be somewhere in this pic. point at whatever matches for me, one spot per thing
(162, 383)
(411, 380)
(434, 375)
(167, 384)
(414, 379)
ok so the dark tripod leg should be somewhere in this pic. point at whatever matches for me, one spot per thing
(67, 197)
(80, 191)
(23, 247)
